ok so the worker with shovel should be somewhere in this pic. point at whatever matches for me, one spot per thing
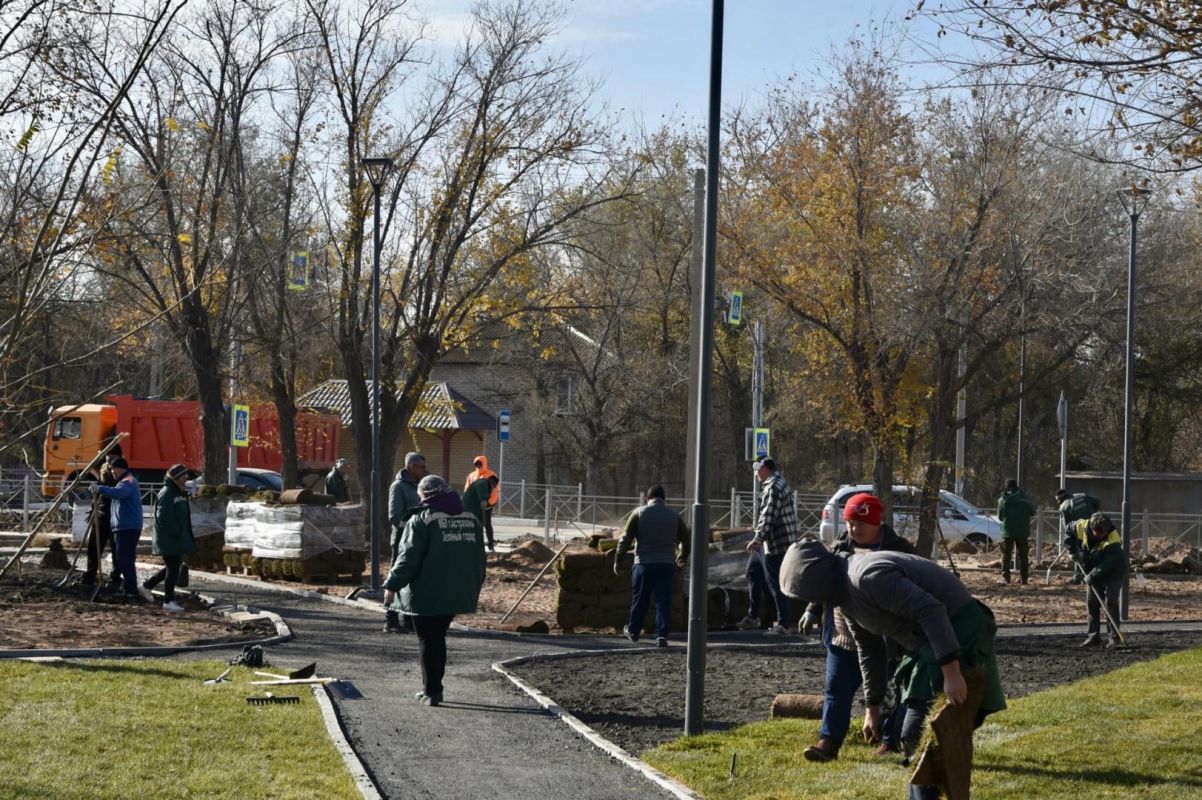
(1098, 548)
(100, 529)
(946, 635)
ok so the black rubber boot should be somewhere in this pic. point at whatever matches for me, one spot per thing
(392, 622)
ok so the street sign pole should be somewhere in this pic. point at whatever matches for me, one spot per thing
(503, 419)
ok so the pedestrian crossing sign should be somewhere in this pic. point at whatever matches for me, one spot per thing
(762, 436)
(734, 311)
(240, 426)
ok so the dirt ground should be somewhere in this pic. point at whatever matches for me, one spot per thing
(635, 697)
(37, 615)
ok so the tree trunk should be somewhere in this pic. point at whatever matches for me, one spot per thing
(285, 406)
(941, 422)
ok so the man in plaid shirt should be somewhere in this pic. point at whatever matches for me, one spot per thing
(775, 530)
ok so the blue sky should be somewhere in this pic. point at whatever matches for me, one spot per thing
(653, 55)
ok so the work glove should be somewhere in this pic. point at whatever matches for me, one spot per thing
(94, 489)
(682, 562)
(808, 623)
(1088, 579)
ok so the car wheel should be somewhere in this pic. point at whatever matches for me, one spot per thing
(980, 541)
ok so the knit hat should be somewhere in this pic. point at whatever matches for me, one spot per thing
(1100, 524)
(432, 485)
(176, 471)
(864, 507)
(119, 462)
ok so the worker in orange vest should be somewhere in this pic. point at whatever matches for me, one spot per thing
(482, 472)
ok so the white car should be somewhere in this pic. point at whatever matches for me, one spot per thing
(958, 518)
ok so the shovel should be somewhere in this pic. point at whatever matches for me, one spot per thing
(307, 671)
(88, 534)
(1113, 625)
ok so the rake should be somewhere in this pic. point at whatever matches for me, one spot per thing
(271, 699)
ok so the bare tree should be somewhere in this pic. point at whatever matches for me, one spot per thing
(496, 154)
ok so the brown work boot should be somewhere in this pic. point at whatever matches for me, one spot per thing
(886, 748)
(822, 752)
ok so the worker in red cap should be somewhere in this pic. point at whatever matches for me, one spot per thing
(865, 532)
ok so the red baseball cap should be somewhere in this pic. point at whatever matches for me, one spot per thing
(865, 507)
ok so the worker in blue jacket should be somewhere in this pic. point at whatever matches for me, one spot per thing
(126, 516)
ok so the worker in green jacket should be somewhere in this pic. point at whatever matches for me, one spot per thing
(437, 572)
(172, 534)
(1015, 510)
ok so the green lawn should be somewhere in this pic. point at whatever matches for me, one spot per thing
(1134, 733)
(151, 728)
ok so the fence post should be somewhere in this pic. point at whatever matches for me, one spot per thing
(794, 506)
(1144, 525)
(736, 513)
(547, 515)
(579, 500)
(27, 494)
(522, 501)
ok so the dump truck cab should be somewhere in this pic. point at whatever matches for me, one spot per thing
(73, 437)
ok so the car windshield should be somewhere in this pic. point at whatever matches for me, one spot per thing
(959, 503)
(273, 480)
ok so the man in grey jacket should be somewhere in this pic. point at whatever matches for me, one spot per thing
(942, 629)
(658, 531)
(403, 502)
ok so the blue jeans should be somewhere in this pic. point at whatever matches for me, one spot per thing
(127, 549)
(758, 582)
(647, 581)
(842, 679)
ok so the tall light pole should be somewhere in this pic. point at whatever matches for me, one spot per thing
(698, 567)
(1134, 200)
(377, 171)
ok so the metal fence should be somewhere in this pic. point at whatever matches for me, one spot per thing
(558, 506)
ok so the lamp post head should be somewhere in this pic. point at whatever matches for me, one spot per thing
(1134, 199)
(377, 168)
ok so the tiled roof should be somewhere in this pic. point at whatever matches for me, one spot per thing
(440, 408)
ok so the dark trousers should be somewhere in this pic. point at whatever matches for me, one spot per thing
(100, 536)
(757, 582)
(842, 679)
(1110, 593)
(127, 548)
(648, 581)
(1021, 548)
(432, 650)
(487, 522)
(170, 572)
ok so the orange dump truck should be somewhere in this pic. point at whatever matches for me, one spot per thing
(163, 432)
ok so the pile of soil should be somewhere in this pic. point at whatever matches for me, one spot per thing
(38, 615)
(634, 698)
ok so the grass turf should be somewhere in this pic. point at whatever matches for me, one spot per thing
(151, 728)
(1132, 733)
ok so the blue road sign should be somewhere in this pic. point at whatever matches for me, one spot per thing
(240, 427)
(762, 436)
(503, 425)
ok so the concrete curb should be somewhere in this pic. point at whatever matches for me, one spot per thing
(282, 631)
(670, 785)
(367, 787)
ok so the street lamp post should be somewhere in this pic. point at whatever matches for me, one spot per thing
(1134, 200)
(694, 713)
(377, 170)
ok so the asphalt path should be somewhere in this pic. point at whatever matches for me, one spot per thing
(487, 740)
